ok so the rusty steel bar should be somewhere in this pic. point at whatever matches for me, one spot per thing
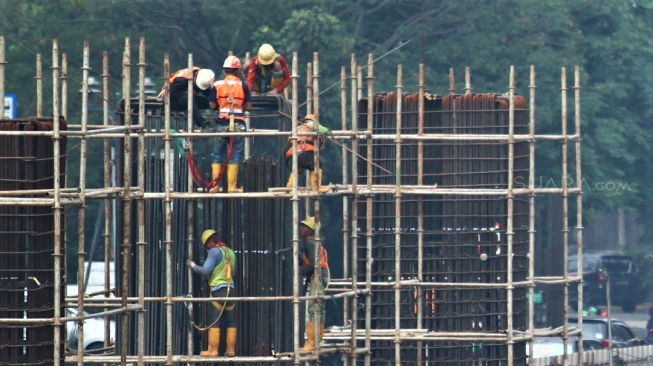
(82, 206)
(531, 210)
(140, 244)
(57, 206)
(397, 224)
(509, 222)
(126, 179)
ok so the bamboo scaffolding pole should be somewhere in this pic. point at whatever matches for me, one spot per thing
(140, 244)
(531, 210)
(397, 229)
(295, 217)
(168, 213)
(579, 201)
(57, 204)
(345, 199)
(369, 204)
(420, 207)
(509, 227)
(565, 213)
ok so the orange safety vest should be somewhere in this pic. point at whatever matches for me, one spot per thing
(231, 87)
(323, 258)
(183, 73)
(304, 143)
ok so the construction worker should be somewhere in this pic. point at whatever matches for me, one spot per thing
(305, 153)
(203, 80)
(308, 257)
(220, 263)
(231, 97)
(268, 72)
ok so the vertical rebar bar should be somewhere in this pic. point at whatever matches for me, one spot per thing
(57, 202)
(510, 200)
(397, 223)
(126, 180)
(82, 204)
(140, 245)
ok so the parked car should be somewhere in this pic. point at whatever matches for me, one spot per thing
(553, 346)
(93, 332)
(596, 328)
(625, 280)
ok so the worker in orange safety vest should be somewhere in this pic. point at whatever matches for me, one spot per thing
(306, 152)
(178, 89)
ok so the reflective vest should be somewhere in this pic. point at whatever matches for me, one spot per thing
(230, 88)
(304, 143)
(221, 274)
(323, 257)
(266, 79)
(183, 73)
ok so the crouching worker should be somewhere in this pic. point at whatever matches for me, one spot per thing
(217, 268)
(306, 153)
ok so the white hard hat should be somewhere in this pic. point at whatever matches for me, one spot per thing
(205, 78)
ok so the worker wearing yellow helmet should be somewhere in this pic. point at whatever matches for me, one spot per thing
(218, 267)
(308, 256)
(306, 152)
(268, 72)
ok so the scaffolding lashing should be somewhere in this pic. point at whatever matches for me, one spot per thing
(27, 273)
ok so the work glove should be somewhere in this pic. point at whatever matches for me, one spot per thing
(191, 264)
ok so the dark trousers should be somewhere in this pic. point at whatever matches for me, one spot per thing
(180, 104)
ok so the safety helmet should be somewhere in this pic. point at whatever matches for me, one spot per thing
(266, 54)
(232, 62)
(207, 234)
(310, 117)
(310, 222)
(205, 78)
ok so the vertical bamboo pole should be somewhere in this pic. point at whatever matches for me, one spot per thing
(57, 203)
(397, 285)
(565, 208)
(168, 219)
(64, 86)
(247, 118)
(3, 62)
(108, 182)
(317, 274)
(510, 200)
(420, 208)
(579, 199)
(140, 245)
(39, 85)
(295, 218)
(345, 198)
(355, 85)
(82, 205)
(126, 180)
(190, 223)
(370, 201)
(468, 84)
(531, 211)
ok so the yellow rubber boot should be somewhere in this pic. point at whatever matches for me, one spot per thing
(316, 182)
(214, 343)
(289, 184)
(231, 342)
(310, 338)
(232, 178)
(215, 172)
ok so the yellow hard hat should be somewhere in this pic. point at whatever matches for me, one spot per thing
(310, 222)
(266, 54)
(207, 234)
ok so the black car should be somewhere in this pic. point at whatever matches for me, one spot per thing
(625, 280)
(596, 328)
